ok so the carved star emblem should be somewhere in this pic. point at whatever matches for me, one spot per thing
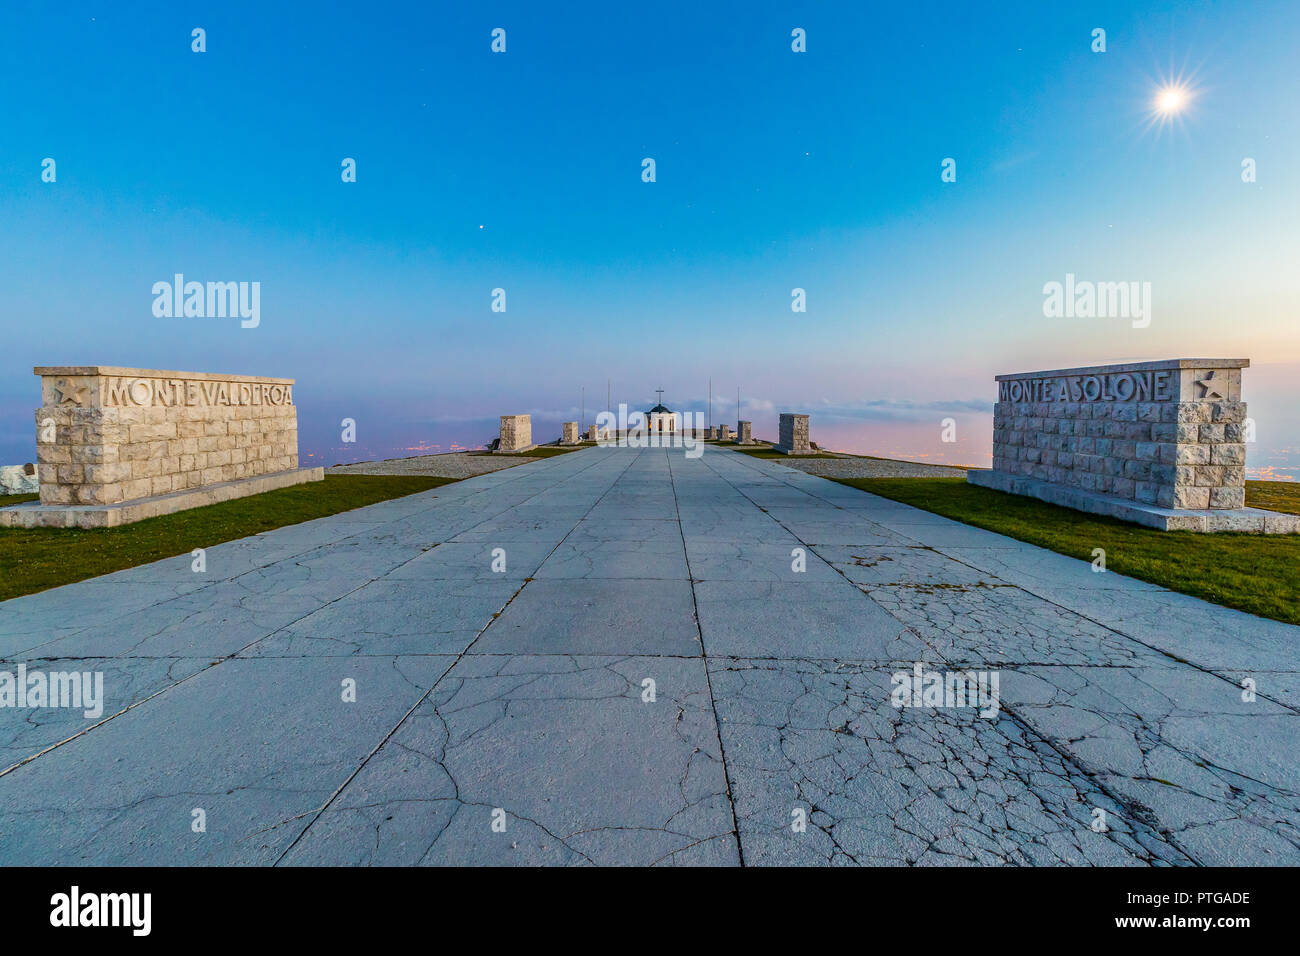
(1217, 387)
(66, 394)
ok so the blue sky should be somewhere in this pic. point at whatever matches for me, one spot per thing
(522, 171)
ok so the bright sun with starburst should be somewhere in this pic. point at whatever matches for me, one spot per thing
(1171, 99)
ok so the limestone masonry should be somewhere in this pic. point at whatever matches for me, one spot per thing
(744, 432)
(516, 434)
(793, 437)
(570, 436)
(18, 479)
(110, 437)
(1160, 443)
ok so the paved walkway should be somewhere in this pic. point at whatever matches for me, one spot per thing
(526, 691)
(446, 465)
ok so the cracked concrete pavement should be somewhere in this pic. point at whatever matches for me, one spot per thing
(607, 657)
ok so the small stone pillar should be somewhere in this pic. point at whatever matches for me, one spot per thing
(711, 433)
(570, 434)
(793, 438)
(744, 433)
(591, 433)
(516, 434)
(724, 432)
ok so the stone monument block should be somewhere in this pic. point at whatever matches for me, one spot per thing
(711, 433)
(1158, 443)
(19, 480)
(116, 445)
(793, 437)
(591, 433)
(724, 432)
(569, 436)
(516, 434)
(744, 433)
